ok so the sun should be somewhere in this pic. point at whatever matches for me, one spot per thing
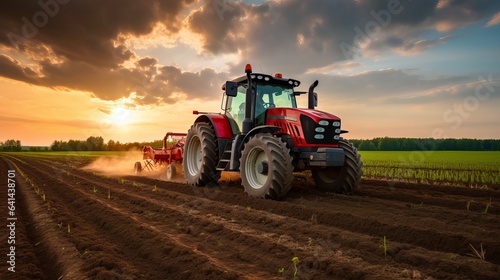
(120, 116)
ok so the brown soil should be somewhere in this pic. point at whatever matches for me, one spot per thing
(93, 226)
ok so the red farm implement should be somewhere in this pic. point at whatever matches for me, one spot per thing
(170, 155)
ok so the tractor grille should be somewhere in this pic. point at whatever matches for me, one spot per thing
(290, 129)
(325, 132)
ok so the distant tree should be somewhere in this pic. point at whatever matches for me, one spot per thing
(11, 145)
(95, 143)
(110, 146)
(367, 145)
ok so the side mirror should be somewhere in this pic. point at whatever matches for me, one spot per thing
(231, 88)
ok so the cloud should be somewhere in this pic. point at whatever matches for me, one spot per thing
(80, 44)
(300, 35)
(494, 20)
(392, 86)
(84, 45)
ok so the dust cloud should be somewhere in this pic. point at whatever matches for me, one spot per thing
(116, 165)
(124, 166)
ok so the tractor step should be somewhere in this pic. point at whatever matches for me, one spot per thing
(225, 159)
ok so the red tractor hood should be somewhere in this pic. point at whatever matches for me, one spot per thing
(293, 114)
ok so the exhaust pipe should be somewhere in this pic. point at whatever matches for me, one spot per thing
(311, 97)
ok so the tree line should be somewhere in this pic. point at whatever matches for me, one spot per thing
(11, 145)
(426, 144)
(96, 143)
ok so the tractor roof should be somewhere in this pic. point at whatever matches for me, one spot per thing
(265, 78)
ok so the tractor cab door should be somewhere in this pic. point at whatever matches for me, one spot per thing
(235, 109)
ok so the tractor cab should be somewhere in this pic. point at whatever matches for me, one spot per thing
(246, 107)
(267, 92)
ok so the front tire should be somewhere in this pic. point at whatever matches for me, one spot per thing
(266, 167)
(200, 155)
(341, 179)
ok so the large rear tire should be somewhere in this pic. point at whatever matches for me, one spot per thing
(266, 167)
(200, 155)
(342, 179)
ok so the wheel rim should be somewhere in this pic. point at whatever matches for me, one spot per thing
(194, 156)
(255, 157)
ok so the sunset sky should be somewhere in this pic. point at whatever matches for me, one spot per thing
(132, 70)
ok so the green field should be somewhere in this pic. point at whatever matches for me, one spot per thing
(473, 169)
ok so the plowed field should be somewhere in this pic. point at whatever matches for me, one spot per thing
(78, 224)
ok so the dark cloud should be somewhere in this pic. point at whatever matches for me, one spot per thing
(80, 45)
(297, 35)
(217, 19)
(87, 30)
(13, 70)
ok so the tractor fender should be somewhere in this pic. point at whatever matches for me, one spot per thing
(219, 122)
(271, 129)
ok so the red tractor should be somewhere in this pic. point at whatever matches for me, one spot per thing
(263, 135)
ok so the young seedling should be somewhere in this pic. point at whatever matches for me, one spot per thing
(69, 228)
(468, 205)
(94, 189)
(121, 181)
(154, 189)
(481, 254)
(43, 197)
(109, 194)
(296, 262)
(249, 208)
(488, 204)
(281, 271)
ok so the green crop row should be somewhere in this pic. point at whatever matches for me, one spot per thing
(469, 168)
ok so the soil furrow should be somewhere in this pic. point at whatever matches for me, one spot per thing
(154, 228)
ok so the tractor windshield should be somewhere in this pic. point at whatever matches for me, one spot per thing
(268, 96)
(275, 96)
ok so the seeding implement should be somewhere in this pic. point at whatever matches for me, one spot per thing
(169, 156)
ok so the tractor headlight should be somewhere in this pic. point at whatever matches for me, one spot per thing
(337, 130)
(336, 123)
(336, 137)
(319, 129)
(323, 122)
(319, 136)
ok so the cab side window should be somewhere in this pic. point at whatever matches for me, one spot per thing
(236, 109)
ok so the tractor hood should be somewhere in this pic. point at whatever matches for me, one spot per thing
(293, 114)
(308, 128)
